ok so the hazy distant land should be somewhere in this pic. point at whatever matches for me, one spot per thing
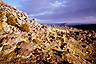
(76, 25)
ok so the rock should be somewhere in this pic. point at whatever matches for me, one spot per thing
(24, 40)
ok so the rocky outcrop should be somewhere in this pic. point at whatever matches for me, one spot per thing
(23, 40)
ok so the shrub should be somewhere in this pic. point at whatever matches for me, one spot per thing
(1, 24)
(1, 17)
(37, 41)
(11, 20)
(25, 27)
(1, 39)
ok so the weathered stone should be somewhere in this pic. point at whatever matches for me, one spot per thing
(24, 41)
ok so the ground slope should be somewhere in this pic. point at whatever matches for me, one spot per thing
(24, 41)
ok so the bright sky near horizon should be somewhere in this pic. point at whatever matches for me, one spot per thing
(58, 11)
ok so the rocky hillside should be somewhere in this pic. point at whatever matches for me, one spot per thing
(24, 41)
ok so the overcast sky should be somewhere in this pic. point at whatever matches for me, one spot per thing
(58, 11)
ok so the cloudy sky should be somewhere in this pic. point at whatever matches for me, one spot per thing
(58, 11)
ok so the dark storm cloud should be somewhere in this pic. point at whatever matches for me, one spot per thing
(34, 6)
(61, 10)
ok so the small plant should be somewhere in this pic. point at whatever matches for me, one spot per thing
(44, 26)
(11, 20)
(1, 17)
(37, 41)
(1, 39)
(1, 24)
(25, 27)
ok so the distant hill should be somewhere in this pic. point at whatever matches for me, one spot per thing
(86, 27)
(66, 24)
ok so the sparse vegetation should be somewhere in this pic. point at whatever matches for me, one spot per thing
(44, 26)
(11, 20)
(1, 17)
(24, 43)
(1, 24)
(36, 41)
(1, 39)
(25, 27)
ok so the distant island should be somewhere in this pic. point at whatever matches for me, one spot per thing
(66, 24)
